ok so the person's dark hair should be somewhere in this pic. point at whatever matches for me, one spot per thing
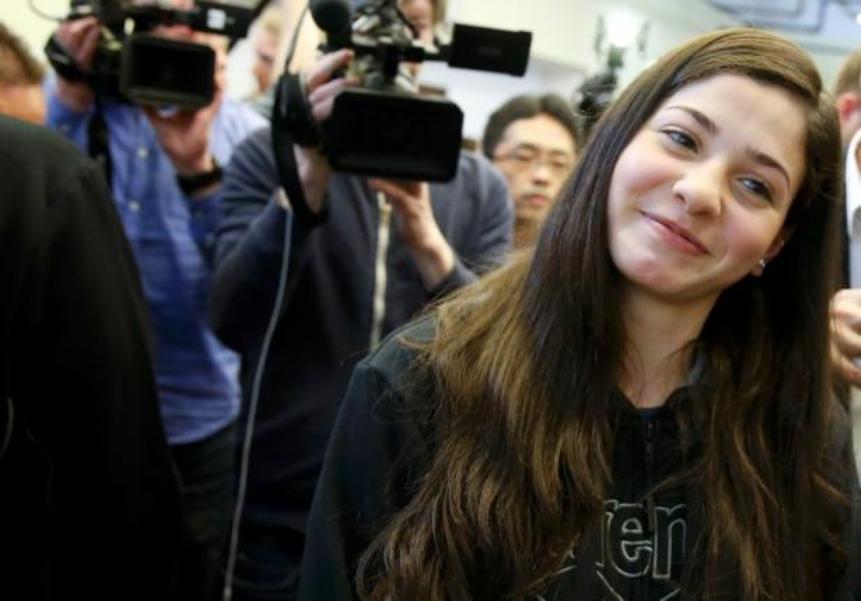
(526, 362)
(17, 65)
(527, 106)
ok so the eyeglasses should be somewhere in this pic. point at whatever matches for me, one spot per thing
(528, 158)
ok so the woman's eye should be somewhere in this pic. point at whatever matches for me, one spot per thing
(757, 187)
(681, 138)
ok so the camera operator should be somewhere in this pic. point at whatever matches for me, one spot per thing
(368, 255)
(165, 175)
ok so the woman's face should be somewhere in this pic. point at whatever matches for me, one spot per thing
(700, 194)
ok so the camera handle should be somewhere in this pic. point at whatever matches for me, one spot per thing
(97, 130)
(63, 62)
(292, 123)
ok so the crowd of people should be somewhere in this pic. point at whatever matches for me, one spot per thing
(608, 364)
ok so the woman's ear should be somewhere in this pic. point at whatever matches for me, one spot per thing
(849, 112)
(773, 250)
(847, 103)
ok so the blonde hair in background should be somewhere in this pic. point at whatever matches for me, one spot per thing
(849, 77)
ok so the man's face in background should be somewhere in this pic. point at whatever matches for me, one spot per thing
(536, 156)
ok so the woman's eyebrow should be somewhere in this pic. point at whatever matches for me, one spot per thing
(700, 118)
(754, 153)
(769, 161)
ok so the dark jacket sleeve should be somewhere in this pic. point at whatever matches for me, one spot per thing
(492, 224)
(250, 243)
(83, 386)
(375, 455)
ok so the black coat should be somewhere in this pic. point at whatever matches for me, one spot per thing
(644, 547)
(89, 501)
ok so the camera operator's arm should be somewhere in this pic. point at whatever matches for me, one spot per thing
(322, 89)
(418, 229)
(491, 230)
(489, 225)
(250, 238)
(185, 135)
(79, 38)
(185, 138)
(249, 245)
(70, 104)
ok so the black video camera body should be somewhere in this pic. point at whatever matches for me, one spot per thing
(133, 65)
(384, 127)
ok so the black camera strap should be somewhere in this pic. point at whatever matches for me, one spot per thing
(98, 146)
(98, 143)
(63, 63)
(291, 115)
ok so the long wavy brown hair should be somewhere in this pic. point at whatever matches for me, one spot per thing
(525, 363)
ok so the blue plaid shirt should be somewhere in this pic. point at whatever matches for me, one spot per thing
(172, 236)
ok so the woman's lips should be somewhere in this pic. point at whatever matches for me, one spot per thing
(677, 236)
(536, 200)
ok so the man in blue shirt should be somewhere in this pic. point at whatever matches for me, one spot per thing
(165, 180)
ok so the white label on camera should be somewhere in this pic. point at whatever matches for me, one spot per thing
(216, 18)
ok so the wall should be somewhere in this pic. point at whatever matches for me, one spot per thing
(35, 30)
(563, 44)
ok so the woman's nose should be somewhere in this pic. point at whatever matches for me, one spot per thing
(701, 187)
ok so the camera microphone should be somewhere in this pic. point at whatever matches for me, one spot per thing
(332, 16)
(383, 127)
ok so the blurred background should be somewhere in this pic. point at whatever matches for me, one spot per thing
(574, 40)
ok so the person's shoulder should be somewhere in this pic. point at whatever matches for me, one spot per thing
(403, 391)
(476, 173)
(473, 163)
(396, 354)
(238, 115)
(255, 149)
(35, 144)
(36, 158)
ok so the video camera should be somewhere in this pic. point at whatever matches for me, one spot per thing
(132, 65)
(384, 127)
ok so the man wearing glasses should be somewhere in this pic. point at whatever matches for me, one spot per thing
(533, 141)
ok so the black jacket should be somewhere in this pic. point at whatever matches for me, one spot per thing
(642, 549)
(326, 324)
(89, 502)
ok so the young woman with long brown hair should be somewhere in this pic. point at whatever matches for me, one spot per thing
(641, 408)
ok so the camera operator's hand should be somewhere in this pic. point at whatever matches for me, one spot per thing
(322, 89)
(79, 38)
(418, 228)
(185, 135)
(846, 335)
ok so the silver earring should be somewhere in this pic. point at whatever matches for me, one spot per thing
(762, 263)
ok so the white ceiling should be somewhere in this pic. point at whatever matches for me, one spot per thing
(830, 22)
